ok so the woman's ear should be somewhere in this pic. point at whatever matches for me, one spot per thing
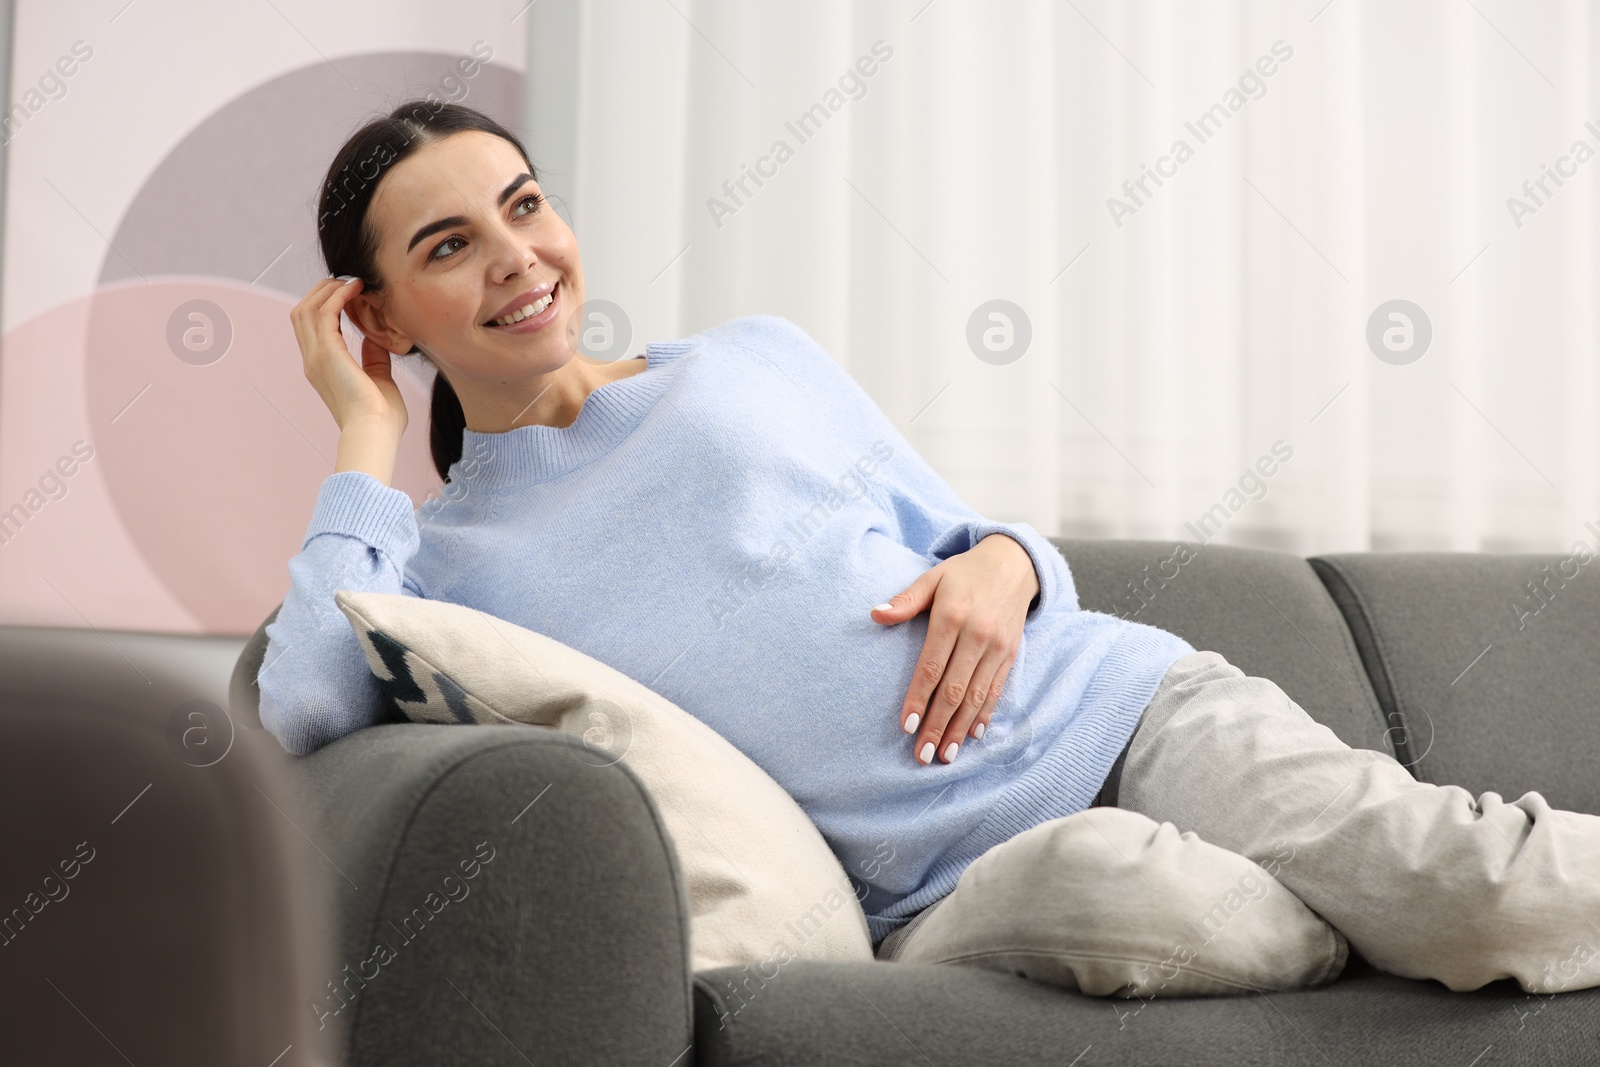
(366, 311)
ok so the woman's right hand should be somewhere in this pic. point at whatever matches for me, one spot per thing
(365, 401)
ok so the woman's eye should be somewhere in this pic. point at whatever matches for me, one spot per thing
(535, 199)
(444, 243)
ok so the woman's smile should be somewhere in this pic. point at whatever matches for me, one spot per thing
(529, 312)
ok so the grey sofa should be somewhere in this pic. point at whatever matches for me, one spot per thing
(1476, 669)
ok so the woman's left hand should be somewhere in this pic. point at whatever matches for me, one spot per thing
(977, 602)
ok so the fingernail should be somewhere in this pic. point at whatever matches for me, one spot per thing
(927, 752)
(977, 731)
(911, 723)
(883, 607)
(950, 752)
(347, 278)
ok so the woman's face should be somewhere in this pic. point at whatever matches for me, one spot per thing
(464, 241)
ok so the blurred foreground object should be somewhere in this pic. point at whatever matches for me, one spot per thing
(154, 904)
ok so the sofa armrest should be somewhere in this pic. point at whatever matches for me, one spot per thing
(502, 895)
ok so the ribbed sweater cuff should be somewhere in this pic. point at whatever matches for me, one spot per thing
(355, 504)
(1046, 560)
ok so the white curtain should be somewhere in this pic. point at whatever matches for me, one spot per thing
(1340, 155)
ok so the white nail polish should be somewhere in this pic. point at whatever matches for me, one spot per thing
(977, 731)
(911, 723)
(927, 752)
(950, 752)
(883, 607)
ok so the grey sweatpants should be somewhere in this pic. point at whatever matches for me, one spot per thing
(1425, 881)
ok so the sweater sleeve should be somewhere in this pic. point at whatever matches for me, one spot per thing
(315, 683)
(933, 519)
(936, 522)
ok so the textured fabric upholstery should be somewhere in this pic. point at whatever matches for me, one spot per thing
(910, 1015)
(571, 946)
(1266, 612)
(1497, 689)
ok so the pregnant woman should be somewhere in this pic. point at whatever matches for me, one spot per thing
(731, 521)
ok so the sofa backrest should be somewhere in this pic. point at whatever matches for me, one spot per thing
(1492, 661)
(1266, 612)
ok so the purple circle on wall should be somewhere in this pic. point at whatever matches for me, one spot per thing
(213, 464)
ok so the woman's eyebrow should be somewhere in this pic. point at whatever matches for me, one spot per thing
(516, 183)
(461, 220)
(435, 227)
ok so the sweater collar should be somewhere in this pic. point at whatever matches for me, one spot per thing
(536, 453)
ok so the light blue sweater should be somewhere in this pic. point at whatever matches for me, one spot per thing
(717, 527)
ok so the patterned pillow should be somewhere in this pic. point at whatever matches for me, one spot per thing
(763, 884)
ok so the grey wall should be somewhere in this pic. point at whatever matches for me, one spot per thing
(551, 112)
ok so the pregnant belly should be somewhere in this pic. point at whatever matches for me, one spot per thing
(803, 681)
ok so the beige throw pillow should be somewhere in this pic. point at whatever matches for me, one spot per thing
(764, 887)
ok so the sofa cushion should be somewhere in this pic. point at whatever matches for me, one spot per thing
(762, 882)
(1490, 663)
(1266, 612)
(911, 1015)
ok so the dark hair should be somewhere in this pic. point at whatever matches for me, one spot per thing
(350, 247)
